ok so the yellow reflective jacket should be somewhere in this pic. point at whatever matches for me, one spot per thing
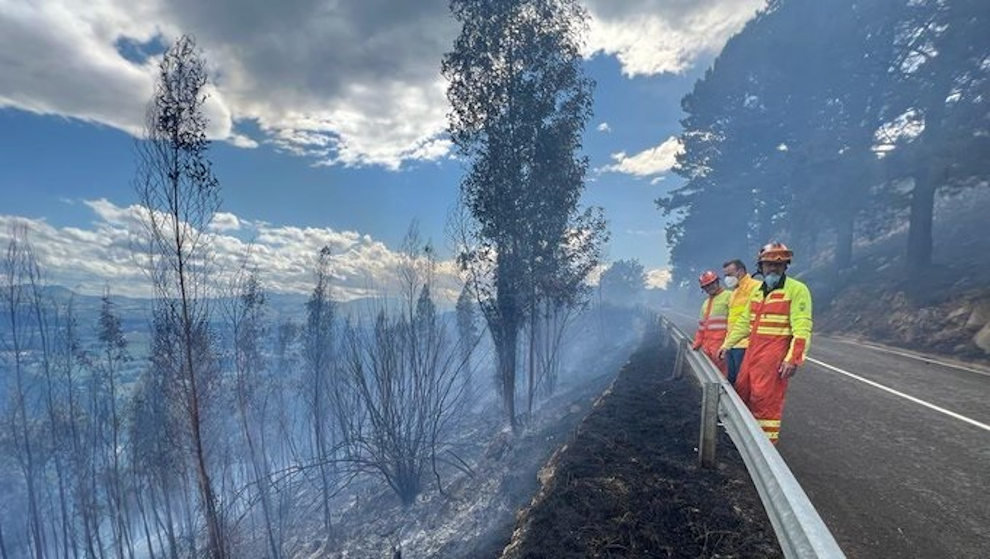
(784, 312)
(739, 301)
(712, 321)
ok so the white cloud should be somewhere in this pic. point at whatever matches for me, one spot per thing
(111, 215)
(346, 82)
(644, 232)
(656, 36)
(242, 141)
(110, 252)
(604, 127)
(649, 162)
(361, 74)
(657, 278)
(595, 275)
(381, 125)
(223, 221)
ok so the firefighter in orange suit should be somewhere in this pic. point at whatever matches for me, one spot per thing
(778, 323)
(713, 320)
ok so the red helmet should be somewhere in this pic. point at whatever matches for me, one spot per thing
(775, 252)
(707, 278)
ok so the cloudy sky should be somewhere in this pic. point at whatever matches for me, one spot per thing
(329, 120)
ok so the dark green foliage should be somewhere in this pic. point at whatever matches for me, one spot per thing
(793, 133)
(623, 282)
(519, 104)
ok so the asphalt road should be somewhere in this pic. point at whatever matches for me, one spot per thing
(893, 449)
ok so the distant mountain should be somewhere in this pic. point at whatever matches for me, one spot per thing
(135, 312)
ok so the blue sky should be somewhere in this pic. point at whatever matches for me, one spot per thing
(345, 148)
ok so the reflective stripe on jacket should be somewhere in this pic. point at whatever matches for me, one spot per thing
(713, 320)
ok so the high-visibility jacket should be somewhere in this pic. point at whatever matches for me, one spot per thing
(738, 303)
(778, 323)
(712, 326)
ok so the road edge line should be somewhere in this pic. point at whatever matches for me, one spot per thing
(919, 401)
(912, 355)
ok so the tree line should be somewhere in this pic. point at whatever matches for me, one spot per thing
(824, 122)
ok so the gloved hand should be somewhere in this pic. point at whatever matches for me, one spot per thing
(787, 370)
(721, 353)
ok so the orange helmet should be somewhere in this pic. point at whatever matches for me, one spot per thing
(775, 252)
(707, 278)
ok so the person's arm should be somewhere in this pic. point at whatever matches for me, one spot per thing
(739, 330)
(800, 331)
(699, 333)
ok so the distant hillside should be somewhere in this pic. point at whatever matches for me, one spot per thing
(135, 313)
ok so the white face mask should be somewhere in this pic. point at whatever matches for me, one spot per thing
(731, 282)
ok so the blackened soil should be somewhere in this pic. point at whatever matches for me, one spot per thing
(628, 483)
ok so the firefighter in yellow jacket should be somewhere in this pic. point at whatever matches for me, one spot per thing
(778, 323)
(742, 284)
(713, 320)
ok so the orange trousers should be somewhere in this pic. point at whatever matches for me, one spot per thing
(759, 384)
(710, 343)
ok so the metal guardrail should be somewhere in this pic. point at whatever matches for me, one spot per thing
(800, 530)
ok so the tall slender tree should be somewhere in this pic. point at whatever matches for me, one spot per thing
(319, 342)
(519, 102)
(180, 195)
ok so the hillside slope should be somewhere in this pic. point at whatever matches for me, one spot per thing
(944, 309)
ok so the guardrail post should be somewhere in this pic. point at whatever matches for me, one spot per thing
(709, 424)
(679, 361)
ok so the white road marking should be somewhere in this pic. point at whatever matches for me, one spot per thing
(915, 356)
(919, 401)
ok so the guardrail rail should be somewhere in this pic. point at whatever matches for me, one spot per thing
(799, 529)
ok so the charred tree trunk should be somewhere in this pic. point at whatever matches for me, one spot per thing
(531, 388)
(27, 463)
(3, 545)
(919, 248)
(144, 523)
(506, 357)
(259, 468)
(207, 497)
(320, 440)
(844, 241)
(506, 324)
(169, 522)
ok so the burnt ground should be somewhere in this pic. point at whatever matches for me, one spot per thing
(474, 515)
(628, 484)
